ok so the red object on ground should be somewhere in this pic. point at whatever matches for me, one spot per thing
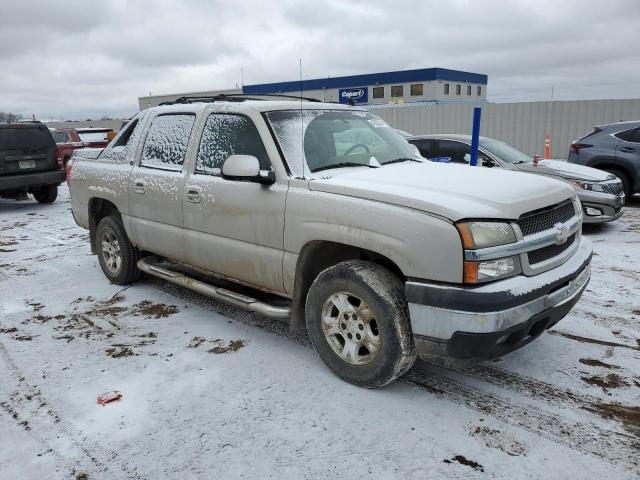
(536, 159)
(109, 397)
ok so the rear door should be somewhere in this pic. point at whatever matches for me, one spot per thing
(234, 228)
(26, 148)
(628, 149)
(156, 184)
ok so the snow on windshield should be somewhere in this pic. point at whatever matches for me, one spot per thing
(327, 138)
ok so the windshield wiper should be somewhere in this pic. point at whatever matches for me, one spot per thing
(398, 160)
(343, 164)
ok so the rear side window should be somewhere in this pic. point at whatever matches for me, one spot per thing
(426, 147)
(167, 141)
(25, 138)
(454, 150)
(100, 136)
(632, 135)
(225, 135)
(61, 137)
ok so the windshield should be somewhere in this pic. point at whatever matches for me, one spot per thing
(505, 152)
(93, 136)
(326, 139)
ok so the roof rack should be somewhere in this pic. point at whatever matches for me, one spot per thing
(236, 97)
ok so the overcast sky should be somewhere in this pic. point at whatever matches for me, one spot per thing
(81, 59)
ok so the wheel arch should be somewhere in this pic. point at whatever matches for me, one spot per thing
(612, 163)
(318, 255)
(98, 209)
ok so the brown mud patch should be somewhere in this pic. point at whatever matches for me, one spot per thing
(606, 383)
(120, 352)
(232, 346)
(462, 460)
(494, 438)
(592, 362)
(629, 416)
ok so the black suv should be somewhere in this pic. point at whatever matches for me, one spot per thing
(614, 148)
(28, 162)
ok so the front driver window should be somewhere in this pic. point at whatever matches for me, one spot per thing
(225, 135)
(456, 151)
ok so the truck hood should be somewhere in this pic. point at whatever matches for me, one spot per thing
(452, 191)
(565, 170)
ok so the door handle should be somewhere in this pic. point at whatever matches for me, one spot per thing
(139, 186)
(627, 149)
(193, 194)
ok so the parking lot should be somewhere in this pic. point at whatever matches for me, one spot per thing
(212, 391)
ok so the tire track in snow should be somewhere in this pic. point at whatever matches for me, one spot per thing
(36, 415)
(582, 435)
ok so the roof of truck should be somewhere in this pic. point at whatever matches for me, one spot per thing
(259, 105)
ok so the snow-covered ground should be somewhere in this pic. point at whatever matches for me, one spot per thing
(213, 392)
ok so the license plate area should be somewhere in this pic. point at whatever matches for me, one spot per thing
(26, 164)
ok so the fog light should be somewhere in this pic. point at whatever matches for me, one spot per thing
(593, 212)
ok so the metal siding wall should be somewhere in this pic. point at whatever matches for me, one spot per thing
(522, 125)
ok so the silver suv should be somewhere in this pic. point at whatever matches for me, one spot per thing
(335, 226)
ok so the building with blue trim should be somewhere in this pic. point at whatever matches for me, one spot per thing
(425, 84)
(439, 85)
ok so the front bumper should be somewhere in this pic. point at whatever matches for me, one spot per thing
(457, 325)
(37, 179)
(598, 207)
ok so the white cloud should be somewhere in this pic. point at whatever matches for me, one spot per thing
(80, 59)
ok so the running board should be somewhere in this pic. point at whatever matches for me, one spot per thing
(218, 293)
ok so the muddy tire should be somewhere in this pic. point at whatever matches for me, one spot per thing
(118, 258)
(46, 194)
(358, 321)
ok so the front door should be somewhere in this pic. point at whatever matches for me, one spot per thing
(234, 228)
(156, 186)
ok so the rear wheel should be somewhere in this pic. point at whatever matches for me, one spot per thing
(118, 257)
(624, 178)
(46, 194)
(358, 321)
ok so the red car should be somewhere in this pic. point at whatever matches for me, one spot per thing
(70, 139)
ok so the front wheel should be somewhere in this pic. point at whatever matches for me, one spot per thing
(358, 321)
(46, 194)
(118, 257)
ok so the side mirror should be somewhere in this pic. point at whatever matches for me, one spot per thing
(487, 162)
(247, 168)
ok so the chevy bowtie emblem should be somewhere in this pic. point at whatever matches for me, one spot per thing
(562, 234)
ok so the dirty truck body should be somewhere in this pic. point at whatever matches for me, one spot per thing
(381, 256)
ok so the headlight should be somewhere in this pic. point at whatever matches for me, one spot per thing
(488, 270)
(485, 234)
(477, 235)
(591, 186)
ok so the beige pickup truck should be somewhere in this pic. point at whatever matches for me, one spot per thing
(337, 226)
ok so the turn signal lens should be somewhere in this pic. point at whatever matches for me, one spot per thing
(470, 272)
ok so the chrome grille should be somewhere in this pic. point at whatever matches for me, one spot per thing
(550, 251)
(544, 219)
